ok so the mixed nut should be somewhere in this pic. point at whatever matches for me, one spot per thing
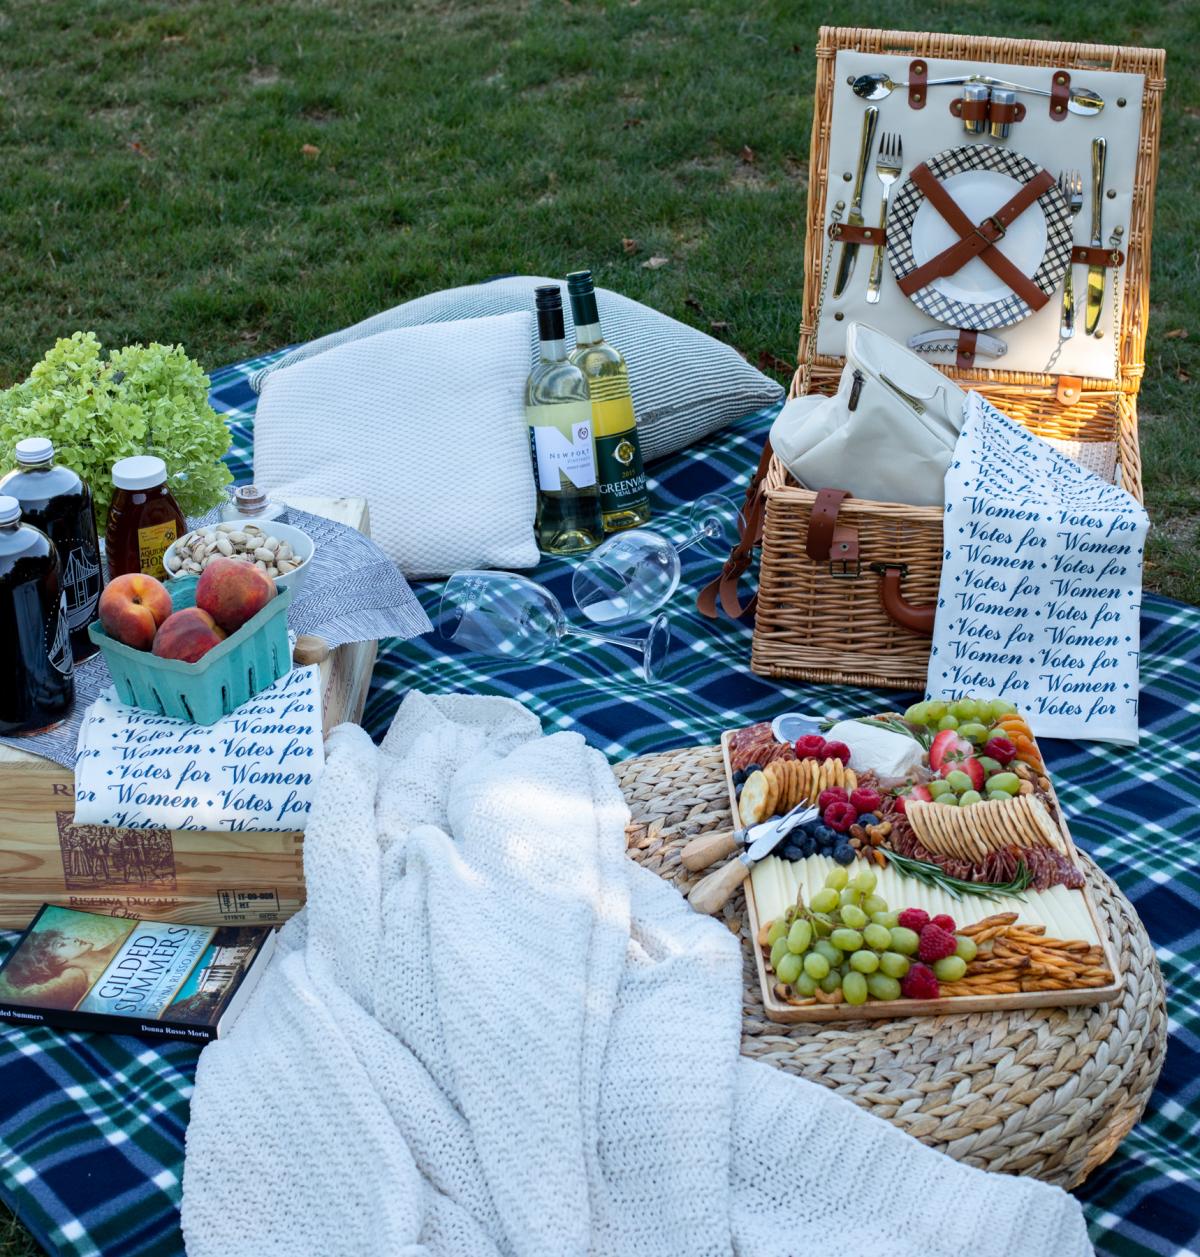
(234, 540)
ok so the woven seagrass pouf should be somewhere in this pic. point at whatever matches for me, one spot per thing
(1045, 1092)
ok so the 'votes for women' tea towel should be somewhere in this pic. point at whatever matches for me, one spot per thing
(1041, 584)
(255, 769)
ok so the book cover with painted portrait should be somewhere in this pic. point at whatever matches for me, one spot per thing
(154, 979)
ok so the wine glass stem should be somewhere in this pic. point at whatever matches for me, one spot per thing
(691, 541)
(630, 643)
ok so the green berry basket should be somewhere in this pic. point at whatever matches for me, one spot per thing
(244, 664)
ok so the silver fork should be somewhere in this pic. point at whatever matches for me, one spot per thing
(1070, 184)
(888, 162)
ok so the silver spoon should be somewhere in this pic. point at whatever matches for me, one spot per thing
(876, 86)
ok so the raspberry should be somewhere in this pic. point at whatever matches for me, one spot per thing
(919, 983)
(835, 794)
(936, 943)
(866, 799)
(914, 919)
(836, 750)
(810, 746)
(840, 816)
(947, 923)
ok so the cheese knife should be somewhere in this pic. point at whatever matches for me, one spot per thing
(849, 253)
(1095, 275)
(710, 893)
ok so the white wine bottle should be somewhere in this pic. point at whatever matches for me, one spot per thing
(559, 411)
(624, 498)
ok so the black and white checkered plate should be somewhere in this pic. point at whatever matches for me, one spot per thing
(950, 301)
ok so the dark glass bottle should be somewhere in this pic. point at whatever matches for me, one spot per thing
(57, 502)
(39, 687)
(143, 518)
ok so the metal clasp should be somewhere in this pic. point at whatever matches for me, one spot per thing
(845, 573)
(997, 226)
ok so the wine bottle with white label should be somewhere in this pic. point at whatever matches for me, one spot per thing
(559, 411)
(624, 498)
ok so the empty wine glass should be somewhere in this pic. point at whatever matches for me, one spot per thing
(512, 617)
(633, 573)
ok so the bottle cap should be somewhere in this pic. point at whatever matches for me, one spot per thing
(249, 499)
(35, 449)
(580, 282)
(548, 297)
(10, 509)
(142, 471)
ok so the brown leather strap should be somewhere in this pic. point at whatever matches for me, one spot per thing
(977, 241)
(827, 541)
(965, 353)
(1000, 112)
(723, 588)
(1060, 93)
(970, 110)
(1069, 390)
(1088, 255)
(848, 234)
(915, 619)
(918, 72)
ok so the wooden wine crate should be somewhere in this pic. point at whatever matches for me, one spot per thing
(194, 877)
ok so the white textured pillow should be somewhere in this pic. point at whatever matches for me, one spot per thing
(427, 424)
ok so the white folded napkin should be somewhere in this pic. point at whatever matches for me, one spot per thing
(1041, 585)
(256, 769)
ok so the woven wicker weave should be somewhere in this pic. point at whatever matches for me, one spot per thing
(813, 626)
(1050, 1093)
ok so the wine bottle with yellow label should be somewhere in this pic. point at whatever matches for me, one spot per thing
(624, 498)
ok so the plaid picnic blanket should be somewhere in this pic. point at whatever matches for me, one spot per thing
(92, 1127)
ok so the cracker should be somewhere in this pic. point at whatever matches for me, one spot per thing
(812, 773)
(917, 812)
(1044, 822)
(851, 779)
(752, 806)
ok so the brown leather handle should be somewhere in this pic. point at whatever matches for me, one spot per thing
(915, 619)
(723, 588)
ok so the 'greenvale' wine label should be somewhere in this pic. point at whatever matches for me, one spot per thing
(619, 469)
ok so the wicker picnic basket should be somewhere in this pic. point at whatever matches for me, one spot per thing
(817, 624)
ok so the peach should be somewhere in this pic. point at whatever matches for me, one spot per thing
(233, 591)
(132, 607)
(188, 635)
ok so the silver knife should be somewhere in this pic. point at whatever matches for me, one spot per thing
(1095, 276)
(709, 848)
(935, 342)
(710, 893)
(855, 217)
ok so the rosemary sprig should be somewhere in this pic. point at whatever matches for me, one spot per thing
(956, 887)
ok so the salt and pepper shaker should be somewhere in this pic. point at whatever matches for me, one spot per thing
(1002, 96)
(975, 94)
(249, 502)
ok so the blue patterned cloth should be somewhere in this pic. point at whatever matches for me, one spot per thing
(92, 1127)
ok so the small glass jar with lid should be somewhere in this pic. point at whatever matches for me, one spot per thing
(143, 517)
(249, 502)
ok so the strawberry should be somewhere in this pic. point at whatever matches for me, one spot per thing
(971, 766)
(1001, 749)
(948, 744)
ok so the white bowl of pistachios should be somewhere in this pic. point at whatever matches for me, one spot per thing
(283, 552)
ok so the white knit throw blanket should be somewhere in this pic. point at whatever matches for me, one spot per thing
(492, 1033)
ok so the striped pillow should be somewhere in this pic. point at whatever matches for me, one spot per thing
(685, 384)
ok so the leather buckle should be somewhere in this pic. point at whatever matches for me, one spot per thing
(997, 226)
(845, 573)
(881, 568)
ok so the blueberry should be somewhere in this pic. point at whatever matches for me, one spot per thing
(808, 845)
(751, 768)
(792, 852)
(824, 835)
(843, 853)
(868, 818)
(739, 776)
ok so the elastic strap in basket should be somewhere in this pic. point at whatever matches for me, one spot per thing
(724, 587)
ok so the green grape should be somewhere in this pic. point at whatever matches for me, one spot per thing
(825, 901)
(894, 964)
(873, 905)
(836, 878)
(950, 799)
(938, 787)
(966, 948)
(825, 948)
(948, 722)
(790, 967)
(968, 797)
(965, 709)
(777, 931)
(822, 925)
(864, 961)
(998, 707)
(889, 920)
(865, 881)
(854, 988)
(904, 941)
(877, 936)
(949, 968)
(936, 709)
(958, 781)
(832, 981)
(973, 731)
(799, 936)
(779, 949)
(854, 916)
(851, 896)
(1009, 783)
(917, 714)
(846, 940)
(990, 765)
(815, 965)
(881, 986)
(805, 985)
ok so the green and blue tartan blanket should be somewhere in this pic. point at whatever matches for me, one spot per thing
(92, 1127)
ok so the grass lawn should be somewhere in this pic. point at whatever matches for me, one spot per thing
(236, 175)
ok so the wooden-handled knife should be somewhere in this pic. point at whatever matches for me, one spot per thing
(855, 217)
(1095, 275)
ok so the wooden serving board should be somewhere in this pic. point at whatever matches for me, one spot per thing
(777, 1010)
(193, 877)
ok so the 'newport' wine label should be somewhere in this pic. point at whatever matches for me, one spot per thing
(1041, 584)
(255, 769)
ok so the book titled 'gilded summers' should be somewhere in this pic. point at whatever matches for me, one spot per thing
(155, 979)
